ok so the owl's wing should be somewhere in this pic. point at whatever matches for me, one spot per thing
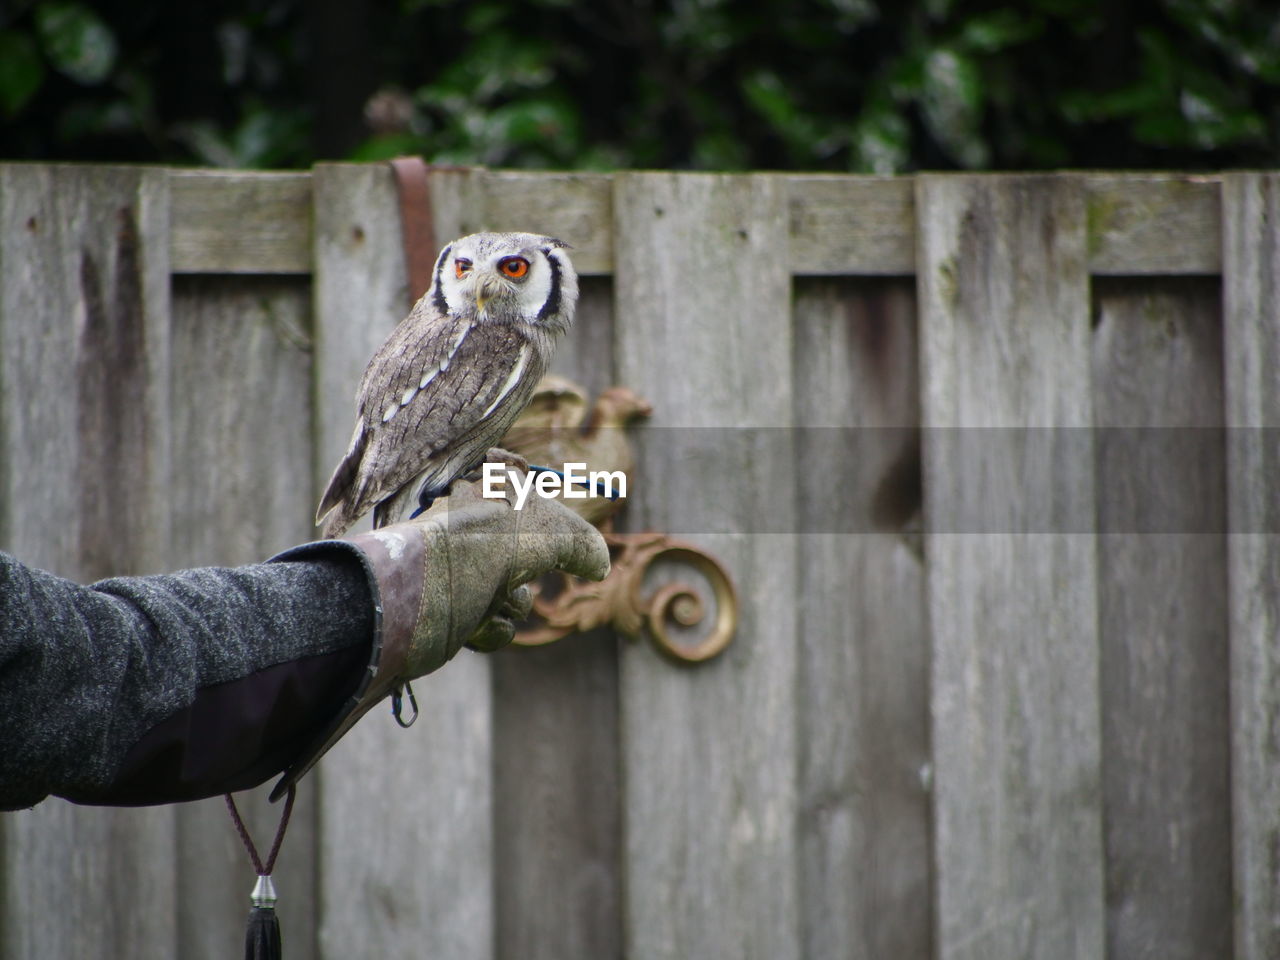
(439, 409)
(422, 340)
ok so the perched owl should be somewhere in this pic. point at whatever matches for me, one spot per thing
(454, 375)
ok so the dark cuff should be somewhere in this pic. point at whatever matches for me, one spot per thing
(394, 564)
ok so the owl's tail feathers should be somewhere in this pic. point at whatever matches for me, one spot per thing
(334, 515)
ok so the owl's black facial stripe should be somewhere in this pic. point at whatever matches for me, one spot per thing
(438, 299)
(552, 306)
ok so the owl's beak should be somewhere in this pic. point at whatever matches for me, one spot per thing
(487, 287)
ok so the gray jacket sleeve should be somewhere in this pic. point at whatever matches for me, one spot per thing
(139, 690)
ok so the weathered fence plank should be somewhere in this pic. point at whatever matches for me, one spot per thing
(240, 222)
(843, 225)
(709, 758)
(241, 419)
(1251, 316)
(399, 809)
(1139, 224)
(1004, 331)
(84, 303)
(1153, 224)
(558, 800)
(557, 833)
(863, 673)
(1161, 514)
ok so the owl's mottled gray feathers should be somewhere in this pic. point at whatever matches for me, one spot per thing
(443, 389)
(442, 421)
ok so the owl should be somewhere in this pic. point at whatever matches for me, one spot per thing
(453, 376)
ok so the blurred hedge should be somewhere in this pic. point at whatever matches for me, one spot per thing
(762, 84)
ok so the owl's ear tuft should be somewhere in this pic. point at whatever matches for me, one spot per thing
(557, 244)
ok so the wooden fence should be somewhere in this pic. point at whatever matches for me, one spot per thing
(1035, 741)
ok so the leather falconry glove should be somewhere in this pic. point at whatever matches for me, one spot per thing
(450, 577)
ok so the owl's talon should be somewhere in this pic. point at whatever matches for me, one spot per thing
(426, 497)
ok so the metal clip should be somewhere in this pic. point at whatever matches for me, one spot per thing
(397, 704)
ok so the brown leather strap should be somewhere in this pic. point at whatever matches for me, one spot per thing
(417, 223)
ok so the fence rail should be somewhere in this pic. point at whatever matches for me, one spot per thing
(1029, 742)
(838, 225)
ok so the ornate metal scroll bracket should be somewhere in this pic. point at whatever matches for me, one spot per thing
(560, 426)
(621, 601)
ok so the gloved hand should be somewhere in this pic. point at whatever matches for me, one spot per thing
(455, 575)
(477, 554)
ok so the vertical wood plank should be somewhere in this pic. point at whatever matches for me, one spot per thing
(1251, 288)
(405, 820)
(1004, 329)
(557, 829)
(242, 491)
(703, 329)
(1164, 659)
(83, 477)
(1161, 511)
(863, 700)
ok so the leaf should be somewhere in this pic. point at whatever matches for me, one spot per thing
(385, 146)
(76, 41)
(21, 72)
(951, 101)
(764, 91)
(881, 140)
(991, 32)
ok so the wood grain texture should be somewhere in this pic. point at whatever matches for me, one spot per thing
(557, 832)
(703, 329)
(1138, 224)
(863, 697)
(241, 416)
(257, 222)
(1161, 512)
(83, 471)
(558, 800)
(852, 225)
(1004, 332)
(240, 222)
(1251, 320)
(1153, 224)
(405, 819)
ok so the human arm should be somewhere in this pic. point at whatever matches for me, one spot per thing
(139, 690)
(159, 689)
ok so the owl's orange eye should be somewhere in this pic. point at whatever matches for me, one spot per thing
(461, 267)
(514, 267)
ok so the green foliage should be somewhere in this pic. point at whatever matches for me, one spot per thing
(21, 71)
(75, 40)
(862, 85)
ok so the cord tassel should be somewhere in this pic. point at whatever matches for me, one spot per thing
(262, 936)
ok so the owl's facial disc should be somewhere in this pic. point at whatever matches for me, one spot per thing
(506, 278)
